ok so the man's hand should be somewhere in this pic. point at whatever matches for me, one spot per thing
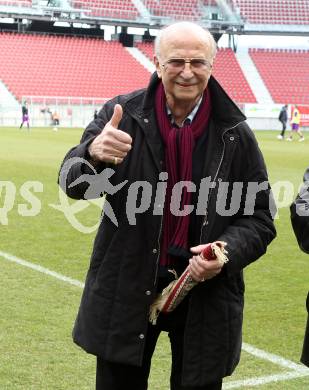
(111, 145)
(202, 269)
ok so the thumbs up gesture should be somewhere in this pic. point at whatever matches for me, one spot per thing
(111, 145)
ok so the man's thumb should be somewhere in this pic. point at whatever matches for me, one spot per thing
(197, 249)
(117, 115)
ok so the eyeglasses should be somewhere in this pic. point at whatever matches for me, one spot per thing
(196, 64)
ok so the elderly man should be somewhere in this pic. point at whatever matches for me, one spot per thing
(183, 140)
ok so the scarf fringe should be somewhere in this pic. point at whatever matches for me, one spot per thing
(159, 302)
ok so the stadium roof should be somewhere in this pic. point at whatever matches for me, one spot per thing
(25, 17)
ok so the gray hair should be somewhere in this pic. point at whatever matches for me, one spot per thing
(185, 25)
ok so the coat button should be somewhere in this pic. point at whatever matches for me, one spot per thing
(148, 292)
(141, 336)
(154, 251)
(146, 120)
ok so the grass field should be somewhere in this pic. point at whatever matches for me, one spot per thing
(38, 309)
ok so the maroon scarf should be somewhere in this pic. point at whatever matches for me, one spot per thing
(179, 144)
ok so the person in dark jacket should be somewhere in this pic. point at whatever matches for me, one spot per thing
(184, 170)
(300, 223)
(283, 118)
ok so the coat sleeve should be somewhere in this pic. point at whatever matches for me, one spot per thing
(252, 228)
(300, 215)
(76, 171)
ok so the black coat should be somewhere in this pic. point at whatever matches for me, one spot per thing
(122, 277)
(300, 223)
(283, 115)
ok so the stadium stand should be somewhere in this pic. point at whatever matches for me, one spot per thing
(71, 66)
(67, 66)
(212, 3)
(285, 72)
(125, 9)
(226, 70)
(147, 48)
(12, 3)
(294, 12)
(117, 9)
(54, 60)
(176, 9)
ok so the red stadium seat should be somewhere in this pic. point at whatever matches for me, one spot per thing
(176, 9)
(68, 66)
(118, 9)
(285, 73)
(20, 3)
(273, 11)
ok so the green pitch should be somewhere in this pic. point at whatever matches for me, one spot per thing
(38, 309)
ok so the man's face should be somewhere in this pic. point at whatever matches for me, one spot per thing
(183, 86)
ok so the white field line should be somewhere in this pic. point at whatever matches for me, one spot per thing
(280, 361)
(262, 380)
(295, 370)
(39, 268)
